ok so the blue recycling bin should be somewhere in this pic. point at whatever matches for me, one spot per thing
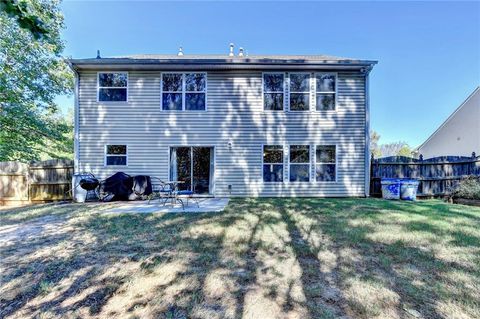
(408, 189)
(390, 188)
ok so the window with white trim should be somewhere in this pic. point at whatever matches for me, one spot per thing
(325, 163)
(112, 87)
(299, 91)
(326, 91)
(116, 155)
(172, 91)
(299, 168)
(273, 91)
(184, 91)
(273, 163)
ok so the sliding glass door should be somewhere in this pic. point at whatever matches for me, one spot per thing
(181, 167)
(194, 167)
(202, 161)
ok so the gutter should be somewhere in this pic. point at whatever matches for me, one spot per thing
(224, 64)
(247, 61)
(367, 132)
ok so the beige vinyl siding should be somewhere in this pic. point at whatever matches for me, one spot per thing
(234, 114)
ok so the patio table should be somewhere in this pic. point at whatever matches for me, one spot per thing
(172, 193)
(173, 186)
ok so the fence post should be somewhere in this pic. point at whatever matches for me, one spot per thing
(27, 180)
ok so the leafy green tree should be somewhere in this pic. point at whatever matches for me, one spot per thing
(405, 150)
(26, 18)
(32, 74)
(390, 149)
(374, 147)
(396, 149)
(62, 147)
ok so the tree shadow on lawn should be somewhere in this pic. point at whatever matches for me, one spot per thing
(407, 270)
(222, 270)
(322, 294)
(436, 210)
(35, 268)
(310, 258)
(87, 278)
(39, 277)
(17, 215)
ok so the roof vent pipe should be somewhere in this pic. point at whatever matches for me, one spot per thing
(180, 51)
(98, 54)
(231, 50)
(240, 53)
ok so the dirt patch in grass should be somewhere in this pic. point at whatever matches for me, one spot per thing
(260, 258)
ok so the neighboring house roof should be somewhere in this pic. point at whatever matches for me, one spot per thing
(221, 61)
(477, 90)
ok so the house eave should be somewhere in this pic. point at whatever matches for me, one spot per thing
(215, 64)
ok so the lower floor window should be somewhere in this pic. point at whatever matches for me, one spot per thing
(116, 155)
(273, 163)
(325, 163)
(299, 163)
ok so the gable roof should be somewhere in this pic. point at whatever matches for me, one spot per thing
(476, 91)
(226, 56)
(220, 61)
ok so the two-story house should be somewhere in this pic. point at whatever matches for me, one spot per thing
(227, 125)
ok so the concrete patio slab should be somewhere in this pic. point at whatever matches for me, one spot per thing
(205, 205)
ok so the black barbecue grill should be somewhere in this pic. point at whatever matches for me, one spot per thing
(89, 184)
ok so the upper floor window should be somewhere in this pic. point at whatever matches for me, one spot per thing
(112, 87)
(325, 163)
(116, 155)
(299, 91)
(273, 91)
(326, 91)
(299, 163)
(273, 163)
(184, 91)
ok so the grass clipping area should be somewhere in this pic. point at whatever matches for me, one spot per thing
(260, 258)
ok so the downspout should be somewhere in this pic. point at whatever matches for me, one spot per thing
(367, 132)
(76, 135)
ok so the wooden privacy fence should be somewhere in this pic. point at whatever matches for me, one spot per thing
(436, 175)
(35, 182)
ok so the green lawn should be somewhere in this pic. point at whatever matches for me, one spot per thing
(261, 258)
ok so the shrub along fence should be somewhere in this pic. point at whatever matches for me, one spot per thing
(43, 181)
(436, 175)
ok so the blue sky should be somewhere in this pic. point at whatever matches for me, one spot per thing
(428, 52)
